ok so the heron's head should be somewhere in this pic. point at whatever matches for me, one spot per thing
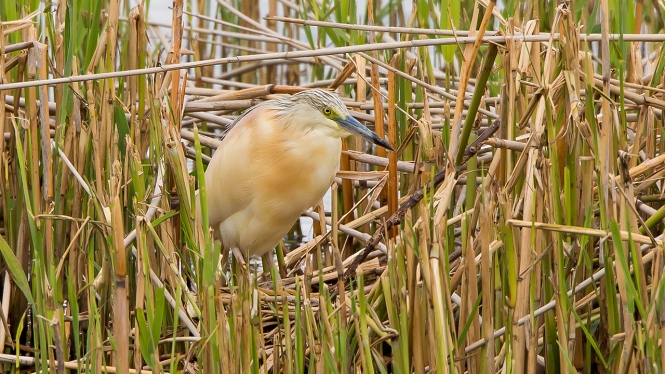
(326, 109)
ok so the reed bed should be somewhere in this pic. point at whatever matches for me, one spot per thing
(518, 228)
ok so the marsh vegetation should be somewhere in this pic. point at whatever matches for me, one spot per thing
(517, 229)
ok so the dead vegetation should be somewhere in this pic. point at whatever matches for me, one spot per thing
(517, 229)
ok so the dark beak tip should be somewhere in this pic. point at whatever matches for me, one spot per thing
(355, 127)
(385, 144)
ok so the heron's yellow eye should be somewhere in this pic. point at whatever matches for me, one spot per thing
(327, 111)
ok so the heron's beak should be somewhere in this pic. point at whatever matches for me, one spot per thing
(352, 125)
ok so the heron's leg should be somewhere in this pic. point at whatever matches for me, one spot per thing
(238, 255)
(268, 265)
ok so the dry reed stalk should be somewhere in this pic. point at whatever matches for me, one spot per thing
(282, 55)
(392, 188)
(388, 29)
(470, 51)
(70, 365)
(18, 46)
(431, 88)
(291, 42)
(271, 73)
(641, 239)
(121, 322)
(3, 102)
(6, 290)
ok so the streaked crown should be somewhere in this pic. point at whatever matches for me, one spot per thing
(319, 99)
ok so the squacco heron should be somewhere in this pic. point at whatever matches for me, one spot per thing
(277, 160)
